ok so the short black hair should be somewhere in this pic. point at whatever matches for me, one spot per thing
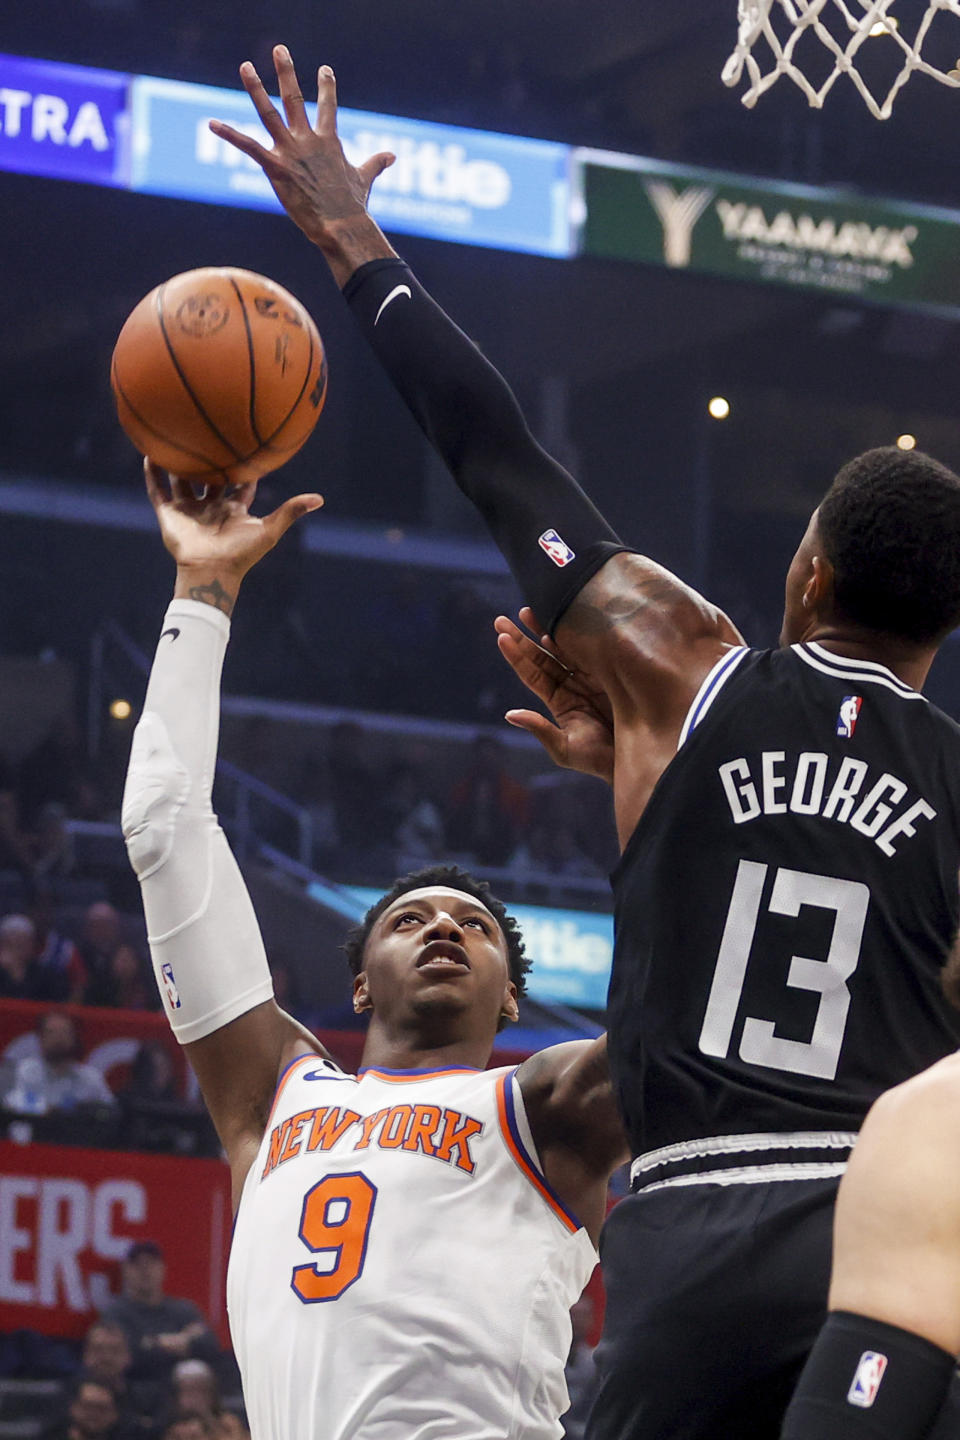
(455, 878)
(890, 526)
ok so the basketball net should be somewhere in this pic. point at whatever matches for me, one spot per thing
(781, 24)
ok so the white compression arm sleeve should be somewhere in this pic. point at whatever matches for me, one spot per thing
(205, 943)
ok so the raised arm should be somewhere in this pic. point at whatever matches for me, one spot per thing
(642, 635)
(204, 939)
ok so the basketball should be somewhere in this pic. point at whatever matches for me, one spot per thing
(219, 375)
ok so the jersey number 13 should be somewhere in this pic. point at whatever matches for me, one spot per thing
(759, 1043)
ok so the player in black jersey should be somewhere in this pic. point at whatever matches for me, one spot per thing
(790, 824)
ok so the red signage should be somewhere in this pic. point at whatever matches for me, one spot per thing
(109, 1040)
(67, 1216)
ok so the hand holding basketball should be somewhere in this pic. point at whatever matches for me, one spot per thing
(214, 534)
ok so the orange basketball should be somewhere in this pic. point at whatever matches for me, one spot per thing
(219, 375)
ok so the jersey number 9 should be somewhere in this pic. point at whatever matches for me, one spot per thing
(334, 1225)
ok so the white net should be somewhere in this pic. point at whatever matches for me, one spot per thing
(770, 32)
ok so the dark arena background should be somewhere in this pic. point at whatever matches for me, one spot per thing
(703, 309)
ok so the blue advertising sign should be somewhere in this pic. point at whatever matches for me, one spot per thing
(65, 121)
(571, 950)
(448, 183)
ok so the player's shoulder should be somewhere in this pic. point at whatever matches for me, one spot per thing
(924, 1108)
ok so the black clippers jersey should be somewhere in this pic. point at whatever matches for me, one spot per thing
(786, 903)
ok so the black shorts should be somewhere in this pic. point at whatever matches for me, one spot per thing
(715, 1295)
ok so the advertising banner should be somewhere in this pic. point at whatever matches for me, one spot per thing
(65, 121)
(572, 953)
(449, 183)
(729, 225)
(68, 1215)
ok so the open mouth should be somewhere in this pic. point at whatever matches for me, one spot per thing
(443, 955)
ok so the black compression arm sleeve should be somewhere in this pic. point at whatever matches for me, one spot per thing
(552, 537)
(867, 1379)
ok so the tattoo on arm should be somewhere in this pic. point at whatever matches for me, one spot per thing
(213, 594)
(613, 611)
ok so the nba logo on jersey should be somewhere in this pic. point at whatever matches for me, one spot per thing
(848, 715)
(866, 1382)
(558, 550)
(170, 985)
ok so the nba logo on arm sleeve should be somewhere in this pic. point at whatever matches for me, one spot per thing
(558, 550)
(866, 1381)
(170, 986)
(848, 715)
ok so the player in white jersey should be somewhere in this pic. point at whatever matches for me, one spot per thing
(408, 1241)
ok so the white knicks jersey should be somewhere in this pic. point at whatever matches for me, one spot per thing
(400, 1268)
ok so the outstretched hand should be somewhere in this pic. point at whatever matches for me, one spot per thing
(213, 537)
(580, 736)
(312, 178)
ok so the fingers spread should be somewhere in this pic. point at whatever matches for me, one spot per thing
(279, 522)
(264, 106)
(290, 93)
(239, 141)
(375, 166)
(157, 482)
(326, 101)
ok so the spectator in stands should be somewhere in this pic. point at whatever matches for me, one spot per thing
(489, 809)
(161, 1329)
(189, 1427)
(52, 843)
(116, 973)
(63, 974)
(106, 1355)
(580, 1371)
(195, 1390)
(126, 984)
(414, 828)
(55, 1080)
(156, 1117)
(106, 1360)
(100, 934)
(93, 1414)
(20, 977)
(231, 1426)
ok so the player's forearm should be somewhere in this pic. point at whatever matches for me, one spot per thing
(208, 585)
(550, 533)
(351, 242)
(204, 939)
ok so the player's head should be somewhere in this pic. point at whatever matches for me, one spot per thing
(439, 957)
(881, 553)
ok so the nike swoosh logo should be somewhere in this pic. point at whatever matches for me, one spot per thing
(172, 631)
(397, 290)
(326, 1075)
